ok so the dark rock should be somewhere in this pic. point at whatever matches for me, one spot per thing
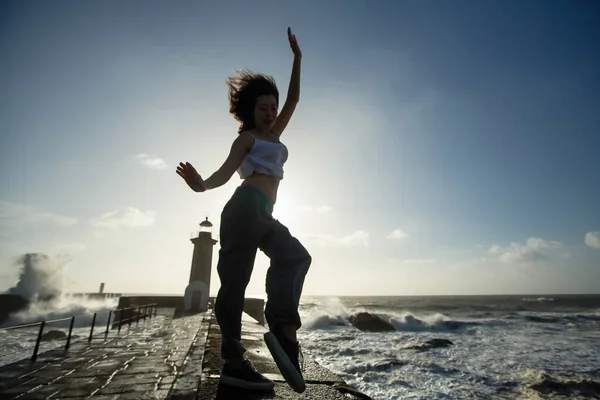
(584, 387)
(432, 344)
(370, 323)
(11, 303)
(350, 390)
(53, 335)
(386, 364)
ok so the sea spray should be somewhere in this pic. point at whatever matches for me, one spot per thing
(40, 282)
(495, 339)
(331, 312)
(40, 276)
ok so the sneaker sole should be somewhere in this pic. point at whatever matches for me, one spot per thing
(287, 369)
(242, 384)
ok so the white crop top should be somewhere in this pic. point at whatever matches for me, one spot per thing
(265, 157)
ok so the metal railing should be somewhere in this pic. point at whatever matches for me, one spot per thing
(122, 316)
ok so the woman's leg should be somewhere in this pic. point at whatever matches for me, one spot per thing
(240, 234)
(285, 278)
(235, 269)
(290, 262)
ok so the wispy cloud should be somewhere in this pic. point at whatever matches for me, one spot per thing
(322, 209)
(417, 261)
(358, 238)
(12, 213)
(521, 253)
(151, 161)
(128, 217)
(592, 239)
(397, 234)
(71, 247)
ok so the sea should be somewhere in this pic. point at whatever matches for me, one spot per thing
(459, 347)
(438, 347)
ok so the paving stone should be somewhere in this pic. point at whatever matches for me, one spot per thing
(140, 363)
(212, 389)
(321, 383)
(163, 358)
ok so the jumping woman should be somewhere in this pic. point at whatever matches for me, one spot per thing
(247, 225)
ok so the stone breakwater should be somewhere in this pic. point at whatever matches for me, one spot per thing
(168, 357)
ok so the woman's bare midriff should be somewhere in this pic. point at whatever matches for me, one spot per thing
(265, 183)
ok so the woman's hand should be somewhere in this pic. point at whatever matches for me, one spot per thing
(294, 44)
(191, 177)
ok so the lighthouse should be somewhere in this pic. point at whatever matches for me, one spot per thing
(197, 290)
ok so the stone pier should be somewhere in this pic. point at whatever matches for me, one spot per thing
(167, 357)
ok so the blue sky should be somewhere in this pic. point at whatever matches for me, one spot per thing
(470, 128)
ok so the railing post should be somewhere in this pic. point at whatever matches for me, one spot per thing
(145, 312)
(120, 320)
(92, 328)
(137, 319)
(108, 323)
(37, 343)
(155, 309)
(130, 317)
(70, 333)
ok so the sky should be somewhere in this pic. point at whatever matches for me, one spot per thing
(438, 147)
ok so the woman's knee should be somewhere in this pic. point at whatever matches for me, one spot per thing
(307, 262)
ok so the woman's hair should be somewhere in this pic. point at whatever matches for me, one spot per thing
(243, 91)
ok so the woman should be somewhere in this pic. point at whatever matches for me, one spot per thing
(247, 224)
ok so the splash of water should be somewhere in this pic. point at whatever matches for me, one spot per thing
(41, 283)
(331, 311)
(40, 277)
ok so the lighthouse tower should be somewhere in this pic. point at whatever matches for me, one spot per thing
(197, 291)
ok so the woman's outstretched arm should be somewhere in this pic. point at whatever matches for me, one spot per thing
(240, 147)
(293, 95)
(238, 151)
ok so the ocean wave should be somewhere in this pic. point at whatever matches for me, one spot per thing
(556, 318)
(324, 321)
(544, 320)
(582, 317)
(438, 323)
(405, 322)
(492, 349)
(537, 299)
(64, 307)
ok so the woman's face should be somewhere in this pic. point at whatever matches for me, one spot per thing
(265, 111)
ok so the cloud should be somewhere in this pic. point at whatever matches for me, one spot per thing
(397, 234)
(127, 217)
(358, 238)
(517, 253)
(592, 239)
(12, 213)
(151, 161)
(414, 261)
(322, 209)
(538, 244)
(71, 247)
